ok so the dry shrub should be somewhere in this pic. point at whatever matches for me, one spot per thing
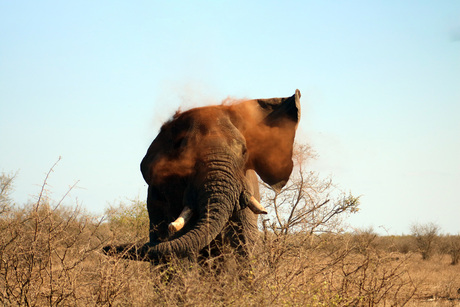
(294, 270)
(6, 187)
(313, 261)
(364, 239)
(426, 236)
(403, 244)
(50, 255)
(43, 251)
(128, 222)
(327, 270)
(308, 203)
(450, 245)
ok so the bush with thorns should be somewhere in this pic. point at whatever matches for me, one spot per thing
(50, 255)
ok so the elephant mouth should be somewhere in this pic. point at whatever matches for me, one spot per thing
(252, 203)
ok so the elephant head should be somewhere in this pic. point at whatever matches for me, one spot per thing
(200, 171)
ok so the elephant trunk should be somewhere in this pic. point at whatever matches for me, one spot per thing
(216, 201)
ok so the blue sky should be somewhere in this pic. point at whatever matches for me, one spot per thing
(380, 81)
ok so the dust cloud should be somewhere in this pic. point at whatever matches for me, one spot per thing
(267, 130)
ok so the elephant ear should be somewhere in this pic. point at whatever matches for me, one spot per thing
(269, 126)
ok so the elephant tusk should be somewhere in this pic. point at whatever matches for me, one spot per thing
(256, 207)
(180, 222)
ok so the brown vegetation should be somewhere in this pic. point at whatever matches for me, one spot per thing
(50, 255)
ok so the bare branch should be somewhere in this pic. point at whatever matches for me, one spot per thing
(307, 202)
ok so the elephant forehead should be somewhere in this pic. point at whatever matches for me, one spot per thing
(206, 120)
(210, 115)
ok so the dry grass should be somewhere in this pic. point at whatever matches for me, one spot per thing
(50, 255)
(436, 279)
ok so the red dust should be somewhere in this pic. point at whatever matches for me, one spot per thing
(267, 125)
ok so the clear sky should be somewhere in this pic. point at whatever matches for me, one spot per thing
(92, 81)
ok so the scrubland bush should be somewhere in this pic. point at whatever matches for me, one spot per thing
(50, 255)
(451, 245)
(334, 270)
(364, 239)
(425, 236)
(44, 250)
(129, 222)
(315, 261)
(6, 186)
(404, 244)
(308, 203)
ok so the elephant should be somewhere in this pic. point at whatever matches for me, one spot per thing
(202, 173)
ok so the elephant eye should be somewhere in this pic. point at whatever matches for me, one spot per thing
(180, 143)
